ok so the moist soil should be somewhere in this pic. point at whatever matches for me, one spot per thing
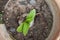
(15, 12)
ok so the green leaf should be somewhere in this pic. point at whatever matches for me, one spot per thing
(31, 15)
(25, 28)
(20, 28)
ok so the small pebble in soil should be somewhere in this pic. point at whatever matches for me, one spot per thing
(32, 2)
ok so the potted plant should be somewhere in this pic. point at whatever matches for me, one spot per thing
(42, 14)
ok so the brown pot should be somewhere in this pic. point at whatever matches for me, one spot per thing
(56, 27)
(56, 24)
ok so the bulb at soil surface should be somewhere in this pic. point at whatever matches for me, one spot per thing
(31, 23)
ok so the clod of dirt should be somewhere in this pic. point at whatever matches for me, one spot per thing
(14, 11)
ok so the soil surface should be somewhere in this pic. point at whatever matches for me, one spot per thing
(2, 4)
(15, 12)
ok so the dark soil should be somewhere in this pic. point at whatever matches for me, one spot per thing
(17, 10)
(2, 4)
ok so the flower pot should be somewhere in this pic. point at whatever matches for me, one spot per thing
(55, 28)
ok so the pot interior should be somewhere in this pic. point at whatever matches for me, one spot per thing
(46, 12)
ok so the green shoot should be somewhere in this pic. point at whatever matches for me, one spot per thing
(24, 27)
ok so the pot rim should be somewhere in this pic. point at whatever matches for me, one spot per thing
(56, 14)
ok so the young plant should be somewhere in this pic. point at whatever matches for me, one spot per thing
(24, 26)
